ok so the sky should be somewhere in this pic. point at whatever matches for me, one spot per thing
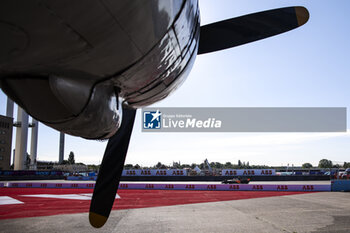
(306, 67)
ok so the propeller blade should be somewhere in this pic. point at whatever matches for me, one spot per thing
(110, 171)
(248, 28)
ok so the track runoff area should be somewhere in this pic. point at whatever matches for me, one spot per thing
(34, 199)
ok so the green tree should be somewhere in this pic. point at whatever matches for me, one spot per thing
(346, 165)
(71, 159)
(93, 167)
(325, 163)
(65, 162)
(128, 166)
(239, 163)
(159, 165)
(219, 165)
(307, 165)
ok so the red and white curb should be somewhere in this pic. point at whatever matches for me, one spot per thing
(6, 200)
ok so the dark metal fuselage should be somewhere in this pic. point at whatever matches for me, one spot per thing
(70, 64)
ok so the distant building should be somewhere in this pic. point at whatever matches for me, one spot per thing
(6, 126)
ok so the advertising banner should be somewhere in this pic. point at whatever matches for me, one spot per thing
(50, 185)
(248, 172)
(207, 187)
(155, 172)
(227, 187)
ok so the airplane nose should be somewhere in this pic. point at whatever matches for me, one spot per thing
(76, 106)
(49, 99)
(72, 93)
(35, 95)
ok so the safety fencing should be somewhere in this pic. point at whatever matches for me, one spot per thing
(150, 186)
(248, 172)
(31, 173)
(48, 185)
(81, 177)
(341, 185)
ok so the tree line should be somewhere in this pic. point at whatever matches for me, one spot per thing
(213, 165)
(323, 163)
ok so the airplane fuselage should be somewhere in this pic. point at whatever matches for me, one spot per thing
(71, 64)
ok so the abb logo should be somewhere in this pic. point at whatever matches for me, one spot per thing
(161, 173)
(258, 187)
(28, 185)
(211, 187)
(89, 185)
(146, 172)
(149, 186)
(308, 187)
(189, 186)
(58, 185)
(282, 187)
(43, 185)
(266, 172)
(230, 173)
(74, 185)
(248, 172)
(169, 186)
(130, 173)
(123, 186)
(178, 173)
(234, 187)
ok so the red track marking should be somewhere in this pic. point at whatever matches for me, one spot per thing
(130, 199)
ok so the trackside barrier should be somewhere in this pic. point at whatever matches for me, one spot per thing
(31, 173)
(165, 178)
(81, 177)
(155, 172)
(2, 185)
(227, 187)
(50, 185)
(248, 172)
(217, 187)
(340, 185)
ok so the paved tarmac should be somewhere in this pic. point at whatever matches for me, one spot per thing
(310, 212)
